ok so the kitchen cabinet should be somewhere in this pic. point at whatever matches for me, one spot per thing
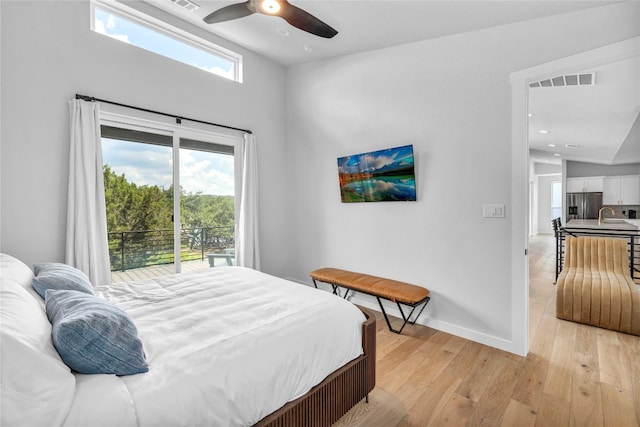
(584, 185)
(621, 190)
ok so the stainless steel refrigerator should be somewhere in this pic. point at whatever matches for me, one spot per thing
(583, 205)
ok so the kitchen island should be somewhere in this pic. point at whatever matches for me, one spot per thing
(607, 224)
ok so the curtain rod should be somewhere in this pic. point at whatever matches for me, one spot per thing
(179, 119)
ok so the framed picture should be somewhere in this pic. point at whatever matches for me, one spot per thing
(379, 176)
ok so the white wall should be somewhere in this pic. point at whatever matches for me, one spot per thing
(451, 99)
(546, 168)
(49, 54)
(580, 169)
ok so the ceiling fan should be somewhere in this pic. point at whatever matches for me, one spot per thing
(293, 15)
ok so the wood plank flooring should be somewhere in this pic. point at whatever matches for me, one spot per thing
(574, 375)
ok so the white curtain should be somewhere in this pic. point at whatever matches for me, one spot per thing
(247, 244)
(86, 247)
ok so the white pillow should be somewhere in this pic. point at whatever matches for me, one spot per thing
(36, 387)
(15, 270)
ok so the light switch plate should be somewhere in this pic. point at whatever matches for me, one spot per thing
(493, 211)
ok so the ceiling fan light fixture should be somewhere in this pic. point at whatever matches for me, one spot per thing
(270, 7)
(294, 15)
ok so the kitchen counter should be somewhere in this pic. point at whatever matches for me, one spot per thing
(607, 224)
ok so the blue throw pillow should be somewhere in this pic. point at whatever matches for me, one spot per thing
(92, 335)
(54, 275)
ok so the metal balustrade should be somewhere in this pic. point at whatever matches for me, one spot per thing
(144, 248)
(632, 237)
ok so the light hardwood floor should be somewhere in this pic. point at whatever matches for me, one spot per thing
(574, 375)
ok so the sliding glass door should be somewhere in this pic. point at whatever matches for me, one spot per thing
(207, 205)
(169, 199)
(138, 183)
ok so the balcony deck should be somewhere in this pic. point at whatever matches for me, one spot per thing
(156, 271)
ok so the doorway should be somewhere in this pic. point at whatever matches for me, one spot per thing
(521, 170)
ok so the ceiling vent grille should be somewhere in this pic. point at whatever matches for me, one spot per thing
(186, 4)
(585, 79)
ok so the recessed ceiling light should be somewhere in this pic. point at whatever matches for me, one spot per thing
(543, 131)
(551, 145)
(556, 154)
(308, 48)
(283, 32)
(531, 114)
(571, 146)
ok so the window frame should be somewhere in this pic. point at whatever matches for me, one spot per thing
(143, 122)
(169, 30)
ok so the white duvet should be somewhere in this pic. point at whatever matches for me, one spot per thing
(225, 347)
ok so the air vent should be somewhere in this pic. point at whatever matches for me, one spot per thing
(186, 4)
(586, 79)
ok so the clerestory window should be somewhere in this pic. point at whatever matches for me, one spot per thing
(130, 26)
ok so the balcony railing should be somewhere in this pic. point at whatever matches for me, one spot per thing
(143, 248)
(633, 244)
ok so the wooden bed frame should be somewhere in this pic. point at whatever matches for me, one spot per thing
(325, 403)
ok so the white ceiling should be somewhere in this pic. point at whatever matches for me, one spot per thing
(597, 118)
(367, 24)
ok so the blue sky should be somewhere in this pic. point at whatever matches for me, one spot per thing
(133, 33)
(148, 164)
(376, 160)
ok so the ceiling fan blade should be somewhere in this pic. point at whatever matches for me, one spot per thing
(230, 12)
(305, 21)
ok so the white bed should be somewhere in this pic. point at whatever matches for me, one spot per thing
(224, 347)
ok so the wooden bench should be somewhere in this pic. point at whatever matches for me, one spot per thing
(399, 292)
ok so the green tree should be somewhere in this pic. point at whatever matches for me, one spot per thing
(131, 207)
(143, 208)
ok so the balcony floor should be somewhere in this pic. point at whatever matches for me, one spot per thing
(156, 271)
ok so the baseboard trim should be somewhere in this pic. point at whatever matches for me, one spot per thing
(466, 333)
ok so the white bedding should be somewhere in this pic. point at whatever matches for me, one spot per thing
(225, 347)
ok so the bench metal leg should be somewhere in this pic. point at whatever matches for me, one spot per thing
(406, 319)
(336, 289)
(419, 313)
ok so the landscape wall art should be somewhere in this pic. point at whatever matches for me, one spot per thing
(379, 176)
